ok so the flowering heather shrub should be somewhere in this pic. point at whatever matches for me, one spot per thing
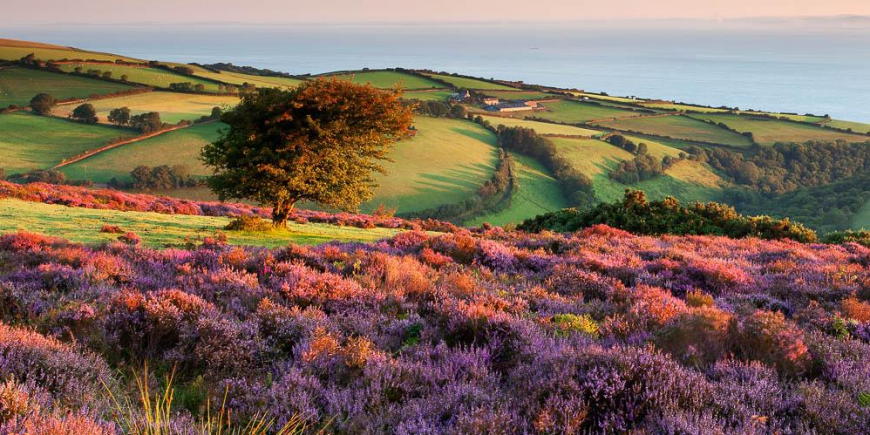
(485, 331)
(130, 238)
(111, 229)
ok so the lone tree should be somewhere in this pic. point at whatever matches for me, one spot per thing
(319, 142)
(42, 104)
(147, 122)
(85, 113)
(120, 116)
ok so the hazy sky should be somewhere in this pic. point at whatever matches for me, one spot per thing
(24, 12)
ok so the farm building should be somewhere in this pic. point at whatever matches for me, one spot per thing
(461, 96)
(511, 106)
(490, 101)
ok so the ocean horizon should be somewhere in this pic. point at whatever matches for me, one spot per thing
(769, 67)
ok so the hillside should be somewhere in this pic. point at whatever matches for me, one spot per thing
(449, 159)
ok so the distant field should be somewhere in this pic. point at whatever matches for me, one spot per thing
(147, 76)
(473, 84)
(607, 98)
(14, 50)
(768, 132)
(591, 156)
(239, 79)
(656, 147)
(176, 147)
(445, 163)
(19, 85)
(857, 127)
(541, 127)
(159, 230)
(679, 127)
(608, 190)
(572, 112)
(388, 79)
(435, 95)
(538, 193)
(172, 106)
(682, 107)
(30, 142)
(519, 95)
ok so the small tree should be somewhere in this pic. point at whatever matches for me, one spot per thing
(85, 113)
(43, 103)
(147, 122)
(319, 142)
(120, 116)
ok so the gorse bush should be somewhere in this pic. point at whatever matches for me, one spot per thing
(637, 215)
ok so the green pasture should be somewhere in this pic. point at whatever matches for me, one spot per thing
(389, 79)
(606, 98)
(681, 128)
(542, 128)
(433, 95)
(538, 192)
(157, 230)
(11, 49)
(445, 163)
(469, 83)
(19, 85)
(179, 147)
(156, 77)
(28, 141)
(857, 127)
(682, 107)
(172, 106)
(239, 79)
(572, 112)
(769, 131)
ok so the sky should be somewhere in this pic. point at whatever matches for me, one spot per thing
(34, 12)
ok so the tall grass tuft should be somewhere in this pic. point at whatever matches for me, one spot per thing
(153, 415)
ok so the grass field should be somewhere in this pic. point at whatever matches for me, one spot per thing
(572, 112)
(519, 95)
(768, 132)
(445, 163)
(30, 142)
(538, 193)
(474, 84)
(434, 95)
(388, 79)
(239, 79)
(607, 98)
(172, 106)
(11, 49)
(146, 76)
(543, 128)
(679, 127)
(857, 127)
(176, 147)
(19, 85)
(687, 181)
(159, 230)
(861, 219)
(682, 107)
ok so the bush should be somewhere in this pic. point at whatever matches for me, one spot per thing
(249, 223)
(635, 214)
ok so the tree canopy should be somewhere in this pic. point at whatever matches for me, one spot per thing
(320, 142)
(85, 113)
(43, 103)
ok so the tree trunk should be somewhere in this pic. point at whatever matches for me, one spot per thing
(281, 213)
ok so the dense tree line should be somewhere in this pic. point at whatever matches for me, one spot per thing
(48, 176)
(229, 67)
(146, 122)
(576, 186)
(637, 215)
(786, 167)
(162, 177)
(187, 87)
(823, 208)
(439, 109)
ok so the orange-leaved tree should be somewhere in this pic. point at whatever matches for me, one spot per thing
(320, 142)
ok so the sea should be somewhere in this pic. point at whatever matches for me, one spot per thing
(762, 65)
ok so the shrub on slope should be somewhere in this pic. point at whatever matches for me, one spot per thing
(637, 215)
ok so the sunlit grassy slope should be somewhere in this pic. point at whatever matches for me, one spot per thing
(173, 148)
(29, 141)
(172, 106)
(19, 85)
(159, 230)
